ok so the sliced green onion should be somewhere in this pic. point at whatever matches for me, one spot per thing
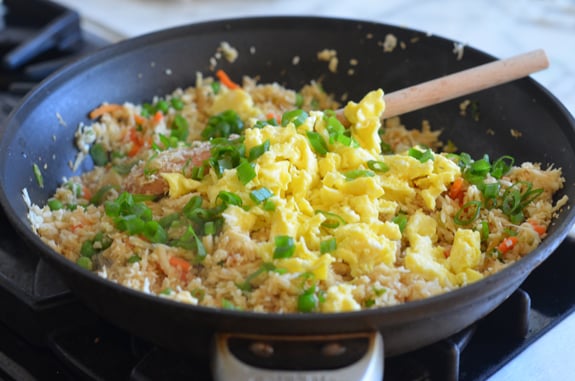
(131, 224)
(491, 190)
(210, 228)
(99, 154)
(258, 150)
(308, 301)
(154, 232)
(332, 220)
(480, 167)
(180, 128)
(377, 166)
(246, 172)
(229, 198)
(163, 106)
(328, 246)
(228, 305)
(386, 148)
(246, 284)
(484, 232)
(166, 291)
(191, 241)
(297, 117)
(98, 197)
(134, 258)
(38, 175)
(223, 125)
(356, 173)
(177, 103)
(401, 221)
(87, 249)
(85, 263)
(216, 86)
(298, 100)
(284, 246)
(260, 195)
(421, 156)
(55, 204)
(502, 166)
(468, 213)
(269, 205)
(317, 143)
(198, 293)
(101, 241)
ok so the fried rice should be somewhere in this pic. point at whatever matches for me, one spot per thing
(279, 208)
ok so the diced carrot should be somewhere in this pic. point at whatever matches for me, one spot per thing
(104, 109)
(507, 244)
(86, 193)
(271, 115)
(540, 229)
(140, 120)
(225, 80)
(158, 116)
(456, 189)
(180, 263)
(137, 142)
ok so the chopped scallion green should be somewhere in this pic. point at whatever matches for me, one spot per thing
(317, 143)
(328, 246)
(246, 172)
(284, 246)
(357, 173)
(260, 195)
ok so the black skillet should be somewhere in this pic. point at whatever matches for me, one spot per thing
(155, 64)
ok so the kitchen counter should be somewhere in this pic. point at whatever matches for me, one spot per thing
(500, 28)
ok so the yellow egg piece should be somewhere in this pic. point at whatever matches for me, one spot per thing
(237, 100)
(179, 185)
(339, 298)
(466, 250)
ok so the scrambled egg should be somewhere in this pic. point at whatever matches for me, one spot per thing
(316, 200)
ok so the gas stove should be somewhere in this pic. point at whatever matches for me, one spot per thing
(46, 333)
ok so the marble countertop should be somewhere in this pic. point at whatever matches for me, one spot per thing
(500, 28)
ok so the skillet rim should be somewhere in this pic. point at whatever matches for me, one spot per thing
(526, 265)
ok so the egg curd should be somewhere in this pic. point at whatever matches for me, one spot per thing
(250, 197)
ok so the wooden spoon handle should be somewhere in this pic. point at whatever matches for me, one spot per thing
(462, 83)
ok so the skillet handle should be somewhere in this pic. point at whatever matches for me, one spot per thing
(241, 357)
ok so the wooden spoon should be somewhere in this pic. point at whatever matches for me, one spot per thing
(461, 83)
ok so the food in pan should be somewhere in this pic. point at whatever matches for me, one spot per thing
(249, 197)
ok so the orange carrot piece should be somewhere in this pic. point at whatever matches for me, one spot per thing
(137, 142)
(507, 244)
(104, 109)
(540, 229)
(86, 193)
(180, 263)
(225, 80)
(139, 119)
(456, 189)
(158, 116)
(271, 115)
